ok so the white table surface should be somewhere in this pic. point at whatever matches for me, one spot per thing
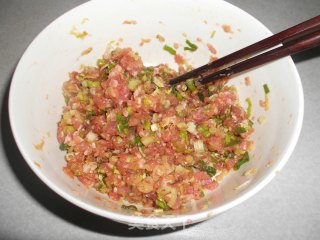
(288, 208)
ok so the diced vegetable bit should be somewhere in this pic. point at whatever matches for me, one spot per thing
(133, 84)
(231, 140)
(201, 96)
(147, 140)
(190, 84)
(158, 81)
(146, 74)
(211, 171)
(109, 67)
(201, 193)
(64, 147)
(91, 137)
(80, 76)
(66, 99)
(162, 204)
(240, 130)
(266, 88)
(191, 46)
(101, 62)
(249, 108)
(69, 129)
(169, 49)
(184, 136)
(177, 94)
(147, 102)
(129, 207)
(250, 123)
(136, 140)
(213, 157)
(204, 130)
(191, 128)
(147, 125)
(243, 160)
(154, 127)
(122, 123)
(198, 146)
(90, 114)
(90, 84)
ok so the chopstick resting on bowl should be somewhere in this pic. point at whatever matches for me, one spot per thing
(298, 38)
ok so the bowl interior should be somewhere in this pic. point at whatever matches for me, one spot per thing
(36, 99)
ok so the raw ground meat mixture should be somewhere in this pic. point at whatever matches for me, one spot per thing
(130, 135)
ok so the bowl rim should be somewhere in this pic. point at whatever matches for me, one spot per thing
(167, 219)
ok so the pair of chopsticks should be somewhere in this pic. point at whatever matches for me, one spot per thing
(298, 38)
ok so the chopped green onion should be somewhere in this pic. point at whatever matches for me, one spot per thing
(201, 193)
(109, 67)
(266, 88)
(231, 140)
(130, 207)
(80, 76)
(136, 140)
(213, 157)
(64, 147)
(184, 136)
(211, 171)
(147, 101)
(90, 114)
(90, 84)
(190, 84)
(201, 96)
(250, 123)
(100, 62)
(162, 204)
(147, 125)
(122, 123)
(177, 93)
(249, 108)
(243, 160)
(191, 46)
(169, 49)
(69, 129)
(204, 130)
(133, 84)
(240, 130)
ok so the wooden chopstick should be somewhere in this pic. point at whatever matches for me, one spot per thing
(309, 41)
(283, 37)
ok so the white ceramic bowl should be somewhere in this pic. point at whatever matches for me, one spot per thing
(36, 100)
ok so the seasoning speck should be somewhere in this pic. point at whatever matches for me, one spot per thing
(211, 48)
(133, 22)
(144, 40)
(39, 145)
(261, 120)
(80, 35)
(87, 51)
(84, 20)
(250, 172)
(270, 162)
(247, 81)
(213, 33)
(176, 45)
(160, 38)
(226, 28)
(37, 164)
